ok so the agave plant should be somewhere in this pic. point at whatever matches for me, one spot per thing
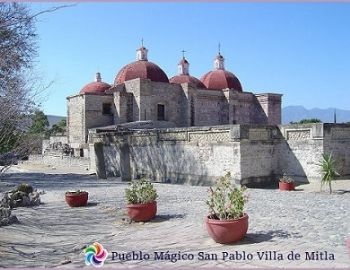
(328, 170)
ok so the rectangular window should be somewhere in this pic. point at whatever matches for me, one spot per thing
(106, 108)
(161, 112)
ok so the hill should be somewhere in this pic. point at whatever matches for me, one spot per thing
(54, 119)
(296, 113)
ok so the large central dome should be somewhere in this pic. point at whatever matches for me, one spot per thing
(142, 69)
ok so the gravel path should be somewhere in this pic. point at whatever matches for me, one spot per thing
(280, 223)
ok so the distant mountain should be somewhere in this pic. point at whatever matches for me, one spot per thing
(297, 113)
(54, 119)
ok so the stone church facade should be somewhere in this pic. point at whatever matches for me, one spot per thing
(186, 130)
(142, 91)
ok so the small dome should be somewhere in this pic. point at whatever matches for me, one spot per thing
(97, 87)
(192, 81)
(141, 69)
(221, 79)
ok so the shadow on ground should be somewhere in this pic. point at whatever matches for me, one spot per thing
(254, 238)
(60, 181)
(161, 218)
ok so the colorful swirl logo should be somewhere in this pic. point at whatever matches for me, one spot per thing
(95, 255)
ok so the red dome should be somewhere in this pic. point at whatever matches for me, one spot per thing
(95, 87)
(221, 79)
(192, 81)
(141, 69)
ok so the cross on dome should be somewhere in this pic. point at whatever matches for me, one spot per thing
(141, 53)
(219, 60)
(98, 77)
(183, 66)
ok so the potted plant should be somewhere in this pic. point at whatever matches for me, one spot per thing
(227, 222)
(286, 183)
(77, 198)
(141, 198)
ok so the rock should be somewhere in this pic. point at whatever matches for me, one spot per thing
(6, 218)
(65, 262)
(13, 219)
(5, 212)
(25, 201)
(4, 221)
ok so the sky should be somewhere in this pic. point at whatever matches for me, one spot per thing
(301, 50)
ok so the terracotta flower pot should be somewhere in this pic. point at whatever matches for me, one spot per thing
(227, 231)
(286, 186)
(77, 198)
(142, 212)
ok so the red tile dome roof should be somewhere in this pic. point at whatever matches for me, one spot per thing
(95, 87)
(192, 81)
(221, 79)
(141, 69)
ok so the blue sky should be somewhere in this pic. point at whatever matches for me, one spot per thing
(301, 50)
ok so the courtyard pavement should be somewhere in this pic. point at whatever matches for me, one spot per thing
(281, 226)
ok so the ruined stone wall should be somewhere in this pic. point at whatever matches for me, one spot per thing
(258, 163)
(254, 154)
(197, 156)
(58, 139)
(337, 143)
(301, 151)
(59, 160)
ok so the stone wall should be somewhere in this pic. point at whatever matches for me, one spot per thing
(76, 120)
(137, 100)
(59, 160)
(94, 116)
(337, 143)
(85, 112)
(254, 154)
(301, 151)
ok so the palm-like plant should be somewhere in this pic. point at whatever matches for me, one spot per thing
(328, 170)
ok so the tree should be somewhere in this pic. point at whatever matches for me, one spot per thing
(58, 128)
(307, 121)
(40, 123)
(17, 50)
(18, 86)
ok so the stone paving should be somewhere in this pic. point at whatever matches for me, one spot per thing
(53, 234)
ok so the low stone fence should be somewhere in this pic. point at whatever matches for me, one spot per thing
(59, 160)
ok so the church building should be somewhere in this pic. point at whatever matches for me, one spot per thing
(142, 91)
